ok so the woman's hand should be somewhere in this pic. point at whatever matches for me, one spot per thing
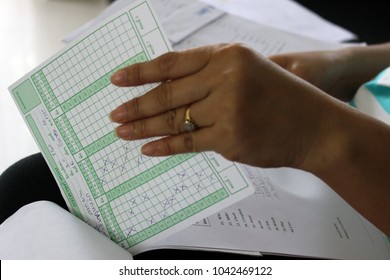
(245, 107)
(250, 110)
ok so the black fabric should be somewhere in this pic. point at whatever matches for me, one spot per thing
(26, 181)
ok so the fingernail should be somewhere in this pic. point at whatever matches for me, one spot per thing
(118, 115)
(119, 77)
(123, 131)
(148, 150)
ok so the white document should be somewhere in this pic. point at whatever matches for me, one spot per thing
(107, 182)
(211, 26)
(44, 231)
(281, 14)
(291, 213)
(285, 15)
(192, 15)
(264, 39)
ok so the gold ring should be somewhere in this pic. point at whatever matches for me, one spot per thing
(189, 124)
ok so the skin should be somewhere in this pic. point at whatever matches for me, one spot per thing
(339, 73)
(258, 111)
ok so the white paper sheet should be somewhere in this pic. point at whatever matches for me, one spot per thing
(107, 182)
(288, 204)
(291, 213)
(44, 231)
(286, 15)
(264, 39)
(281, 14)
(192, 15)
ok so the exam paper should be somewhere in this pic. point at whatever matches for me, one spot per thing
(264, 39)
(133, 199)
(291, 213)
(285, 15)
(191, 16)
(282, 14)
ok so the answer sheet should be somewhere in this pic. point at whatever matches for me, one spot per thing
(291, 213)
(133, 199)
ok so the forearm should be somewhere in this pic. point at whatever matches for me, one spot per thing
(355, 161)
(364, 63)
(340, 72)
(297, 124)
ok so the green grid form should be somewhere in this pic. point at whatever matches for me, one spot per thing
(69, 136)
(147, 175)
(45, 91)
(131, 19)
(101, 143)
(112, 225)
(98, 85)
(90, 176)
(179, 216)
(63, 184)
(68, 193)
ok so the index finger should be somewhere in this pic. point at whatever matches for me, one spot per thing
(171, 65)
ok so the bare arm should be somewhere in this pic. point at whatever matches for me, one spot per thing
(339, 72)
(358, 167)
(266, 116)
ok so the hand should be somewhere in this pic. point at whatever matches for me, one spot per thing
(247, 109)
(252, 111)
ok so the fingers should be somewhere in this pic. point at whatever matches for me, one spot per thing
(165, 97)
(190, 142)
(171, 123)
(162, 110)
(168, 123)
(168, 66)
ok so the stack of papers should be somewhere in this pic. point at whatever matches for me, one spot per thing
(144, 203)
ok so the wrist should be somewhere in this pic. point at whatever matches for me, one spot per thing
(353, 162)
(363, 63)
(333, 143)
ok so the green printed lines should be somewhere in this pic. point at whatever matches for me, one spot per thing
(117, 235)
(147, 175)
(179, 216)
(90, 176)
(60, 178)
(45, 91)
(98, 85)
(50, 100)
(110, 221)
(68, 134)
(100, 143)
(62, 122)
(26, 96)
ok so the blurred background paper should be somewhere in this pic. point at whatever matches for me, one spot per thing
(286, 15)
